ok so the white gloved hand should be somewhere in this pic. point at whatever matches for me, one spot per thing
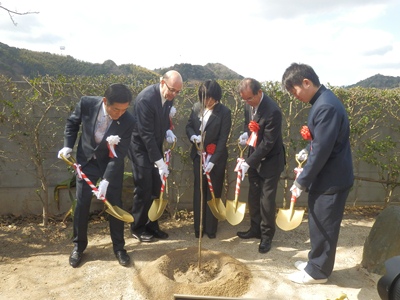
(65, 152)
(172, 112)
(102, 189)
(244, 167)
(195, 139)
(170, 136)
(302, 155)
(208, 167)
(243, 138)
(296, 191)
(162, 168)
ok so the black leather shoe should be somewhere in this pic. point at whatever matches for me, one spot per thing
(123, 257)
(75, 258)
(249, 234)
(158, 233)
(142, 236)
(211, 235)
(265, 246)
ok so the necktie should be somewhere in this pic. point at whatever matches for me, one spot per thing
(102, 127)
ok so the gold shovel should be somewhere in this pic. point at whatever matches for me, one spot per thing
(235, 210)
(115, 211)
(158, 206)
(289, 219)
(216, 205)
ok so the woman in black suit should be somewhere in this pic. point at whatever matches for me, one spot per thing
(211, 121)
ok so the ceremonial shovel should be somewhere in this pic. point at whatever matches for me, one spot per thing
(235, 210)
(115, 211)
(288, 219)
(158, 206)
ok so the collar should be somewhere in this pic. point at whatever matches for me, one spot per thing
(259, 103)
(321, 89)
(163, 100)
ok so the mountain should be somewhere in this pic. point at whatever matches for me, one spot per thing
(200, 73)
(379, 81)
(17, 63)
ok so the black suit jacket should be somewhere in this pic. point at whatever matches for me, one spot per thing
(216, 131)
(152, 122)
(85, 116)
(268, 157)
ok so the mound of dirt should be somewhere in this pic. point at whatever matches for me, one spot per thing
(186, 271)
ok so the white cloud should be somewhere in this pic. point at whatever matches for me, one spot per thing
(345, 41)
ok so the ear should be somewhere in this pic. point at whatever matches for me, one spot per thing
(105, 100)
(307, 83)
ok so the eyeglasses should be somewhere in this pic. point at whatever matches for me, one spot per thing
(249, 99)
(172, 90)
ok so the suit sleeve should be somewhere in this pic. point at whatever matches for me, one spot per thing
(72, 126)
(326, 129)
(224, 131)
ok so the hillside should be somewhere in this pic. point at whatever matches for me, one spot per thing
(379, 81)
(17, 63)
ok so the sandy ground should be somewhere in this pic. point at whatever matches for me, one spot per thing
(34, 262)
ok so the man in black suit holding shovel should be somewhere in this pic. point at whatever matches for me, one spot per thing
(265, 162)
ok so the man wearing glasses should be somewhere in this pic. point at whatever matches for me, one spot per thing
(151, 109)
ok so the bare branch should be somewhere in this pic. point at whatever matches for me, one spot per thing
(11, 13)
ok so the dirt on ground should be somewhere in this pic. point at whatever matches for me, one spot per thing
(34, 262)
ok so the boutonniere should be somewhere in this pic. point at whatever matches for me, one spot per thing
(305, 133)
(254, 128)
(112, 141)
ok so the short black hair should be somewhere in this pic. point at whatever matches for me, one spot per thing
(296, 73)
(119, 93)
(210, 88)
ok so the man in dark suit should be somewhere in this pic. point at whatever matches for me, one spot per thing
(99, 118)
(151, 109)
(265, 162)
(328, 174)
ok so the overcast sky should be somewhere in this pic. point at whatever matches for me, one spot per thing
(345, 41)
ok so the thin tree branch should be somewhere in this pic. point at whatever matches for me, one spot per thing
(11, 12)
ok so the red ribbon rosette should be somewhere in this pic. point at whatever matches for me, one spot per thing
(210, 149)
(305, 133)
(254, 128)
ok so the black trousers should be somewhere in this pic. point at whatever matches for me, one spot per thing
(147, 188)
(324, 218)
(84, 194)
(262, 203)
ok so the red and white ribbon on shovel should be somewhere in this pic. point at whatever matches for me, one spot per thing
(81, 175)
(254, 128)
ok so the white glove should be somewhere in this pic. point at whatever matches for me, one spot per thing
(102, 189)
(302, 155)
(162, 168)
(296, 191)
(195, 139)
(170, 136)
(244, 167)
(243, 138)
(65, 152)
(172, 112)
(209, 167)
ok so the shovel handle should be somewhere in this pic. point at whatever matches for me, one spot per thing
(209, 183)
(238, 182)
(72, 162)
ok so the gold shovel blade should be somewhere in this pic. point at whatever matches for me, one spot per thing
(118, 213)
(288, 219)
(217, 208)
(235, 211)
(157, 208)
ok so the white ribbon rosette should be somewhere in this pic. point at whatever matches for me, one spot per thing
(112, 141)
